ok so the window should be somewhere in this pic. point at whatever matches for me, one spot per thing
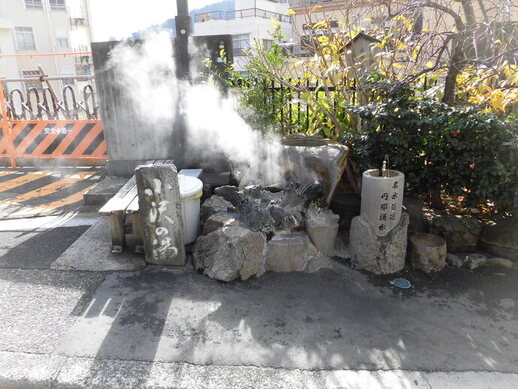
(240, 42)
(267, 44)
(34, 4)
(62, 43)
(24, 38)
(36, 83)
(57, 5)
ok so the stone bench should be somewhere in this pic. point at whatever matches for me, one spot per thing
(126, 202)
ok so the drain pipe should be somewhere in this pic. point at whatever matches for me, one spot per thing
(181, 49)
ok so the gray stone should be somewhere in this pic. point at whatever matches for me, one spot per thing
(218, 220)
(460, 232)
(229, 253)
(229, 193)
(427, 252)
(454, 260)
(318, 263)
(472, 261)
(306, 158)
(501, 238)
(213, 205)
(503, 262)
(322, 227)
(380, 255)
(341, 249)
(92, 252)
(289, 252)
(414, 207)
(160, 207)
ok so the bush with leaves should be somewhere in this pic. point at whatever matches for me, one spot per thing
(455, 150)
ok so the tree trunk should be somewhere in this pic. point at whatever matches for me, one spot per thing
(454, 68)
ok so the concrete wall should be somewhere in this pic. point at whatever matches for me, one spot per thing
(132, 140)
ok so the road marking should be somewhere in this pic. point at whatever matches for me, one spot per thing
(8, 172)
(51, 188)
(73, 198)
(21, 180)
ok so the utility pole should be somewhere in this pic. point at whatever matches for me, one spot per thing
(181, 53)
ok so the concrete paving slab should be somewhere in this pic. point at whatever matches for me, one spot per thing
(38, 306)
(92, 252)
(326, 320)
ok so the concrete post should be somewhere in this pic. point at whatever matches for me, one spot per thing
(161, 212)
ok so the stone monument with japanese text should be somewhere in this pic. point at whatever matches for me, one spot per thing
(378, 237)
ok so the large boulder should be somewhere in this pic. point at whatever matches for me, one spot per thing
(460, 232)
(501, 239)
(289, 252)
(378, 254)
(218, 220)
(230, 253)
(213, 205)
(307, 157)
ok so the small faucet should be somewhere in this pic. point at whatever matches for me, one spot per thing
(384, 167)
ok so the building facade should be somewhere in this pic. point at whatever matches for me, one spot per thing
(249, 22)
(53, 34)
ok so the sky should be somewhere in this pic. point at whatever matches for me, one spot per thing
(119, 18)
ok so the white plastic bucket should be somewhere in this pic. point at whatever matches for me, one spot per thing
(191, 189)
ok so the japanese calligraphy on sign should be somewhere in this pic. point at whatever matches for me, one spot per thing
(382, 200)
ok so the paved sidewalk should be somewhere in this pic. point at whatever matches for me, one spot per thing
(163, 328)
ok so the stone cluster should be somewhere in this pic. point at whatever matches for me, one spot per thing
(250, 231)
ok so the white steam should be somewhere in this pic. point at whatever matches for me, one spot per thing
(214, 128)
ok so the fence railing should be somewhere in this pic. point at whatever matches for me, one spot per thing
(44, 104)
(241, 14)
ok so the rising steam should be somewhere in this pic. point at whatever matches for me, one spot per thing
(146, 75)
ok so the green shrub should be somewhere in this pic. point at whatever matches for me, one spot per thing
(438, 147)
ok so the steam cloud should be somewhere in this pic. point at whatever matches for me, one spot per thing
(146, 74)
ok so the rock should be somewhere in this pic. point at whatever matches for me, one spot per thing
(322, 227)
(460, 232)
(503, 262)
(213, 205)
(472, 261)
(218, 220)
(310, 157)
(229, 253)
(318, 263)
(454, 260)
(414, 207)
(380, 255)
(501, 239)
(229, 193)
(160, 209)
(289, 252)
(427, 252)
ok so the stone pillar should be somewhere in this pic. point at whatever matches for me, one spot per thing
(160, 208)
(378, 254)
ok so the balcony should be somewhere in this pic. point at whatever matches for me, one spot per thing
(241, 14)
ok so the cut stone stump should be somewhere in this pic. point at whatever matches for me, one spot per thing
(230, 253)
(427, 252)
(161, 212)
(322, 227)
(460, 232)
(380, 255)
(289, 252)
